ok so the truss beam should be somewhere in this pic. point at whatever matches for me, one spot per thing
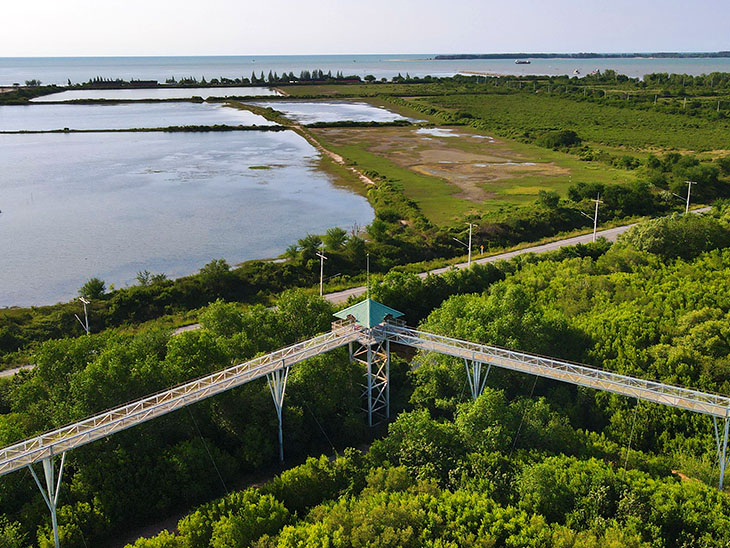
(475, 354)
(126, 416)
(373, 351)
(581, 375)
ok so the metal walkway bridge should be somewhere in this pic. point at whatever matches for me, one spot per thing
(373, 351)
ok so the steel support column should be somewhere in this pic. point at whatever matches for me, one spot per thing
(722, 448)
(51, 490)
(277, 386)
(375, 357)
(474, 376)
(387, 379)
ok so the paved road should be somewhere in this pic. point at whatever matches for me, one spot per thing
(339, 297)
(610, 234)
(11, 372)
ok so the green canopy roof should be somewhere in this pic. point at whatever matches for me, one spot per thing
(368, 313)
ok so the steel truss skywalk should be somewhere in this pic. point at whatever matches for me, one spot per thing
(131, 414)
(665, 394)
(275, 367)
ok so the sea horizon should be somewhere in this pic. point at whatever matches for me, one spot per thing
(79, 69)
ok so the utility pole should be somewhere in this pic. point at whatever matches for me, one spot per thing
(595, 217)
(85, 324)
(689, 191)
(468, 246)
(469, 260)
(321, 271)
(367, 279)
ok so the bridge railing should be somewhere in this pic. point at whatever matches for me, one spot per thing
(684, 398)
(133, 413)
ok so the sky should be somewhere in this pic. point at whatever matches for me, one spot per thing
(281, 27)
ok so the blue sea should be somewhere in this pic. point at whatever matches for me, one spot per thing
(61, 70)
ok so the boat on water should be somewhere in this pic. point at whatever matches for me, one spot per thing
(522, 61)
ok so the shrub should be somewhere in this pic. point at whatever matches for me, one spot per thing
(678, 236)
(563, 138)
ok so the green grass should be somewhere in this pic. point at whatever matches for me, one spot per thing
(371, 90)
(433, 195)
(439, 200)
(520, 113)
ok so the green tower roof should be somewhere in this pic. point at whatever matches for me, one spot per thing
(368, 313)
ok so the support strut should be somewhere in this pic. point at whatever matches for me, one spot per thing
(375, 357)
(51, 490)
(277, 385)
(722, 456)
(474, 376)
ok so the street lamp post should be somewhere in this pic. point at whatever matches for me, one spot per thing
(468, 246)
(85, 324)
(321, 271)
(469, 260)
(594, 218)
(689, 191)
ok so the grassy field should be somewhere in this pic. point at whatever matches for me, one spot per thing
(455, 171)
(490, 164)
(516, 114)
(371, 90)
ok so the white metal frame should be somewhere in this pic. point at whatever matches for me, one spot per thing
(374, 353)
(714, 405)
(674, 396)
(277, 386)
(474, 376)
(115, 420)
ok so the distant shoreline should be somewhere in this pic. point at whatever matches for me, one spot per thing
(657, 55)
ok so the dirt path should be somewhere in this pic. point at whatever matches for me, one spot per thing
(336, 158)
(311, 139)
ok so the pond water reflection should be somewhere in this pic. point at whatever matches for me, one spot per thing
(111, 204)
(123, 116)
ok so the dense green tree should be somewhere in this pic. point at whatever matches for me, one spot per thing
(426, 447)
(548, 198)
(235, 520)
(11, 535)
(94, 288)
(335, 238)
(678, 236)
(163, 540)
(215, 273)
(222, 319)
